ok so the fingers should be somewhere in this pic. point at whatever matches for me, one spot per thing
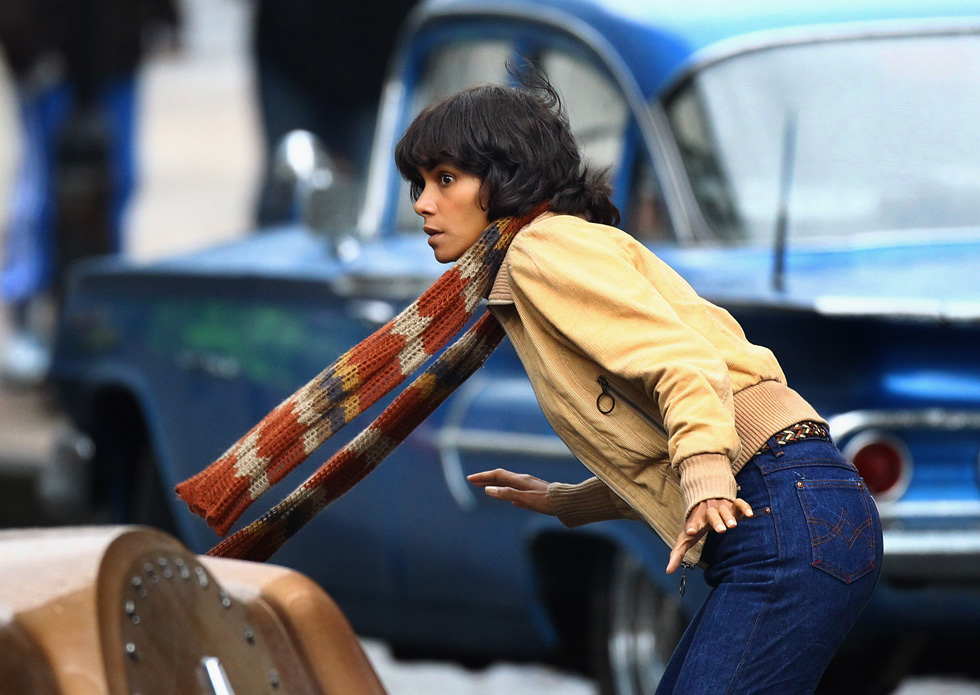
(683, 544)
(501, 477)
(717, 515)
(520, 489)
(720, 515)
(743, 508)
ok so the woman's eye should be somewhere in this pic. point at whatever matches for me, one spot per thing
(445, 179)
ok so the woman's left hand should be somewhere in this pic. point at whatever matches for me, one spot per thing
(717, 515)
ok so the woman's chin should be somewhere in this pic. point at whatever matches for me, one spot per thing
(444, 256)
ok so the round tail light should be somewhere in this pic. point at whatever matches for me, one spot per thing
(883, 461)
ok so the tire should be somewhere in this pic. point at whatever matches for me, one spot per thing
(149, 500)
(638, 627)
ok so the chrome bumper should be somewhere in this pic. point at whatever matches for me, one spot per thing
(932, 556)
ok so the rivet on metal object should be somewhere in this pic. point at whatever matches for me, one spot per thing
(130, 607)
(767, 510)
(202, 577)
(799, 483)
(249, 635)
(131, 651)
(274, 678)
(165, 567)
(139, 586)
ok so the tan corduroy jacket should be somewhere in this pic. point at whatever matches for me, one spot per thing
(654, 389)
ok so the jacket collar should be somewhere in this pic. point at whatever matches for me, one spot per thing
(500, 292)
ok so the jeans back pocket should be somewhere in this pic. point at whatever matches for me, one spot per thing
(842, 531)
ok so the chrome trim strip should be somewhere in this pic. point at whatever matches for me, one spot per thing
(846, 424)
(498, 442)
(968, 510)
(931, 543)
(899, 308)
(382, 160)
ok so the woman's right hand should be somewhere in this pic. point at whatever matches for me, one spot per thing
(520, 489)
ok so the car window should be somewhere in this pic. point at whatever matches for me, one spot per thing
(645, 215)
(599, 116)
(840, 138)
(456, 66)
(596, 109)
(447, 69)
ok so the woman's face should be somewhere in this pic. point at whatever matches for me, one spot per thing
(451, 207)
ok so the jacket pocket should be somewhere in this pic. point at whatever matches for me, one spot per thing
(608, 397)
(841, 526)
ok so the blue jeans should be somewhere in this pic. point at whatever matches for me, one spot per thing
(788, 583)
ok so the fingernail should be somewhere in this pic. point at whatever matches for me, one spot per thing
(720, 527)
(731, 523)
(691, 530)
(492, 490)
(749, 512)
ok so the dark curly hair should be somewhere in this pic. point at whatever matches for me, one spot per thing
(517, 142)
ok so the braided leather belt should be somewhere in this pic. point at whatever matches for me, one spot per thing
(798, 432)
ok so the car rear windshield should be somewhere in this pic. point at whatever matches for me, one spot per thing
(848, 138)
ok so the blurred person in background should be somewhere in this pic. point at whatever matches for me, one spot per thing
(74, 64)
(320, 66)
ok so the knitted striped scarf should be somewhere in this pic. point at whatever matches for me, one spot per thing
(367, 372)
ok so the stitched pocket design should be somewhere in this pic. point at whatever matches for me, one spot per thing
(841, 528)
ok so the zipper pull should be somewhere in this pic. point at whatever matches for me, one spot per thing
(683, 586)
(604, 383)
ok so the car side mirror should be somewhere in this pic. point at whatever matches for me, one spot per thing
(324, 199)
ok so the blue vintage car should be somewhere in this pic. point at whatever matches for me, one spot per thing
(812, 166)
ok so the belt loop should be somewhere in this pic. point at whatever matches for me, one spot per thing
(775, 447)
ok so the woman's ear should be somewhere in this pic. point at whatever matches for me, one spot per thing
(484, 197)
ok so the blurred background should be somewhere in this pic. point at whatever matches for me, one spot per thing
(199, 158)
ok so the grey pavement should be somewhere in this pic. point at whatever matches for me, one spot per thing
(200, 153)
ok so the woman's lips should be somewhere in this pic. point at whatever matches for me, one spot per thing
(434, 234)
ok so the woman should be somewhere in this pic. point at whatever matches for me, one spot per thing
(684, 423)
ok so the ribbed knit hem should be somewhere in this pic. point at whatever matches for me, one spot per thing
(587, 502)
(706, 477)
(764, 409)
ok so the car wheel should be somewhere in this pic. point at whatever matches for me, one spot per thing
(639, 625)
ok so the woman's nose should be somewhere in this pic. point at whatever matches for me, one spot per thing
(423, 205)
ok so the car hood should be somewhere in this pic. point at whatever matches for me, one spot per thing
(936, 281)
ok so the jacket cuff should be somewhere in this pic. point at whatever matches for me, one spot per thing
(706, 477)
(586, 503)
